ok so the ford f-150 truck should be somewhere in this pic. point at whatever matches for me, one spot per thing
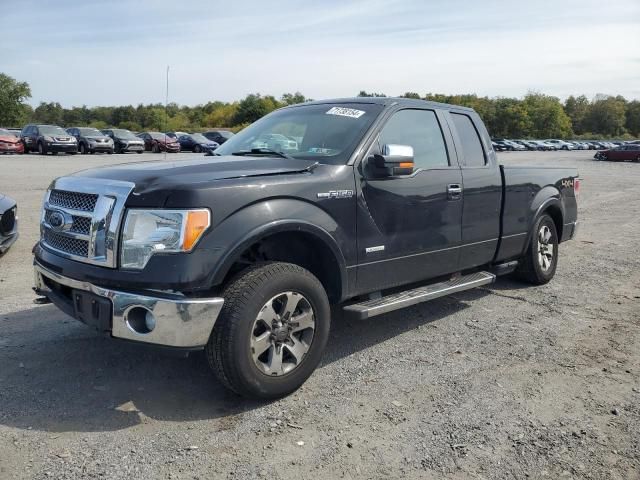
(368, 205)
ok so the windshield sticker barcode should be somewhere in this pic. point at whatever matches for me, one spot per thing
(346, 112)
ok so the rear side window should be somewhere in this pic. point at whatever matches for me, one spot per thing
(471, 145)
(419, 129)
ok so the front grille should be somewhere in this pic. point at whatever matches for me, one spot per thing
(72, 246)
(92, 210)
(8, 221)
(81, 225)
(74, 200)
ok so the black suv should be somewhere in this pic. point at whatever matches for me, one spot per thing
(47, 138)
(91, 140)
(124, 141)
(218, 136)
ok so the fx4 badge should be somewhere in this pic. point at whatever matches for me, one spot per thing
(336, 194)
(567, 183)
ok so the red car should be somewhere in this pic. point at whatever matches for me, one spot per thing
(159, 142)
(623, 153)
(9, 143)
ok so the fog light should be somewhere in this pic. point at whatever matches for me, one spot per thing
(140, 320)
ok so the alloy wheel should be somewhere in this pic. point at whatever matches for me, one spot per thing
(282, 333)
(545, 248)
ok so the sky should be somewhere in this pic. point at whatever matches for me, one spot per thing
(115, 52)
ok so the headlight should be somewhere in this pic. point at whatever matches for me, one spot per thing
(147, 232)
(47, 138)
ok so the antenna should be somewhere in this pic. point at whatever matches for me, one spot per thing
(166, 114)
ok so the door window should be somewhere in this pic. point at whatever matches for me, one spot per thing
(419, 129)
(471, 145)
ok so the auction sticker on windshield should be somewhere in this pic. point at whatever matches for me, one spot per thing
(346, 112)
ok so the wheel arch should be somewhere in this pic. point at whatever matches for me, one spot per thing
(547, 202)
(307, 245)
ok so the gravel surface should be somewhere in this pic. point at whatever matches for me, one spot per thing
(503, 382)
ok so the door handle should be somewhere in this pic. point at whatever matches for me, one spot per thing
(454, 191)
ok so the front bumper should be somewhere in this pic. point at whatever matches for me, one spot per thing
(180, 321)
(101, 147)
(62, 147)
(11, 148)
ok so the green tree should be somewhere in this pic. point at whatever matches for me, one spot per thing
(632, 115)
(293, 98)
(253, 107)
(578, 109)
(50, 113)
(607, 115)
(366, 94)
(548, 118)
(13, 94)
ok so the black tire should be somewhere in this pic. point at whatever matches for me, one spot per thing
(155, 148)
(140, 151)
(197, 149)
(41, 149)
(531, 268)
(83, 149)
(229, 349)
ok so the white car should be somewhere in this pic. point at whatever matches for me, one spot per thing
(561, 144)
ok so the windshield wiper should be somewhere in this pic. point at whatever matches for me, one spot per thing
(264, 151)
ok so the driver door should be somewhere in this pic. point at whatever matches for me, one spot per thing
(409, 226)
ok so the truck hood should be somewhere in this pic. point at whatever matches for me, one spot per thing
(154, 175)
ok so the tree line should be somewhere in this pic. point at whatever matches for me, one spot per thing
(536, 115)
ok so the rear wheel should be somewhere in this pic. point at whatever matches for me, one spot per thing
(541, 259)
(271, 332)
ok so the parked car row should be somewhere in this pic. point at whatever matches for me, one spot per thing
(553, 144)
(53, 139)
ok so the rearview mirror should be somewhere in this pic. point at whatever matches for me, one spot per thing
(393, 161)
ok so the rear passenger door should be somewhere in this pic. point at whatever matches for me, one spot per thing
(482, 190)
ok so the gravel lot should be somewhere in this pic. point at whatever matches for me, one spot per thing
(504, 382)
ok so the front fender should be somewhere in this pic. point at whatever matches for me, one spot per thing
(235, 234)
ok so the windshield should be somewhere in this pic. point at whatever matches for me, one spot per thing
(198, 137)
(90, 132)
(120, 133)
(6, 132)
(52, 130)
(327, 133)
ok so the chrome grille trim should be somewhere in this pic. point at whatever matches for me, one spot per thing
(96, 208)
(84, 202)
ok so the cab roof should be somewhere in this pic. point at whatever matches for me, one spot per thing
(388, 102)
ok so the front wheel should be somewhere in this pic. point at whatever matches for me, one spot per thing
(83, 149)
(541, 258)
(41, 149)
(271, 332)
(197, 149)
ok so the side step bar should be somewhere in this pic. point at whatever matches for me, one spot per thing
(395, 301)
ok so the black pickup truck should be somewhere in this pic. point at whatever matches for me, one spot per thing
(369, 205)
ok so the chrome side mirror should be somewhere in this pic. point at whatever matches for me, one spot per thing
(393, 161)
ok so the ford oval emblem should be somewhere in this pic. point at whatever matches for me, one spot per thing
(57, 220)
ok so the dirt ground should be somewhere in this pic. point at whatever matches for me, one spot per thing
(506, 382)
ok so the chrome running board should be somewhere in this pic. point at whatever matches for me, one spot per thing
(395, 301)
